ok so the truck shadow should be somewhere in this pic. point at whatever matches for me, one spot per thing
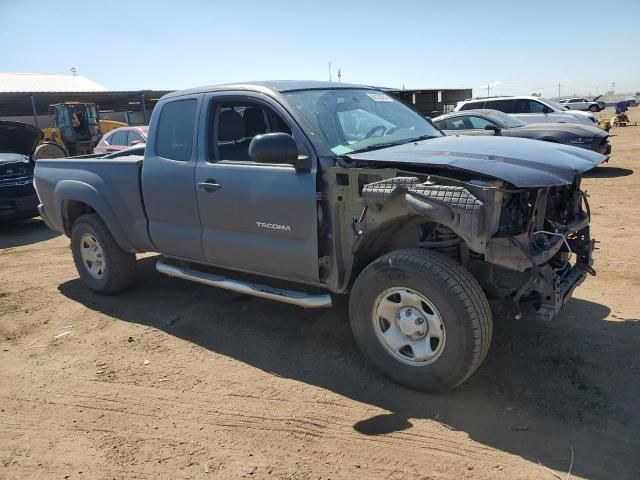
(26, 232)
(608, 172)
(544, 388)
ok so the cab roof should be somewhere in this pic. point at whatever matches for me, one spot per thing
(270, 86)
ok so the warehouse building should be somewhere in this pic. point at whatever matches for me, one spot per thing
(432, 101)
(26, 97)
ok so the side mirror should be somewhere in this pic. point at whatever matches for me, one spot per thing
(495, 128)
(277, 148)
(546, 109)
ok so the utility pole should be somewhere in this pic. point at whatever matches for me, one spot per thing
(488, 90)
(339, 76)
(559, 85)
(329, 71)
(613, 85)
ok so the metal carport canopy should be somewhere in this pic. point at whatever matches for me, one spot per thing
(20, 103)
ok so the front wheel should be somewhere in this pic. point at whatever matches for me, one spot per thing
(421, 318)
(103, 266)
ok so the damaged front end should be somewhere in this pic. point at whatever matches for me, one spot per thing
(524, 244)
(545, 234)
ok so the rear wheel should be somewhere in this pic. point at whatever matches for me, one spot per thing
(594, 108)
(103, 266)
(421, 318)
(49, 150)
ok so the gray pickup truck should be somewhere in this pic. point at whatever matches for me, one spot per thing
(294, 191)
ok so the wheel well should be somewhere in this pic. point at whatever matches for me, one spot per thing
(399, 234)
(71, 210)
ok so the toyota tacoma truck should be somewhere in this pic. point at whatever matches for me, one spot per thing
(297, 191)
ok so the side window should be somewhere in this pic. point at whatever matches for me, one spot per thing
(479, 123)
(506, 106)
(174, 133)
(524, 105)
(118, 139)
(440, 124)
(457, 123)
(135, 137)
(472, 105)
(535, 107)
(233, 125)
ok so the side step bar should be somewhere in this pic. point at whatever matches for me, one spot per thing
(286, 296)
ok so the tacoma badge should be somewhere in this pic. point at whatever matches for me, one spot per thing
(274, 226)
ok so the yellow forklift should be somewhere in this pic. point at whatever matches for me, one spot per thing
(77, 130)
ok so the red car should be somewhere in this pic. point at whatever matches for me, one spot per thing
(121, 138)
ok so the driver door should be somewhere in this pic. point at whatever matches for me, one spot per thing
(258, 218)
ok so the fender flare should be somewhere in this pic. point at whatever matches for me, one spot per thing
(74, 190)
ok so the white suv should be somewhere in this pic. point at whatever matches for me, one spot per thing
(530, 109)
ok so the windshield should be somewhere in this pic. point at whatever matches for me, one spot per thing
(351, 120)
(555, 104)
(12, 157)
(506, 120)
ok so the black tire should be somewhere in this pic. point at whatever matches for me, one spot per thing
(49, 150)
(594, 108)
(119, 266)
(457, 296)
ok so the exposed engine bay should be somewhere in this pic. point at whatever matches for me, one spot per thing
(519, 243)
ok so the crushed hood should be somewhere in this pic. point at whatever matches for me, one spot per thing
(18, 137)
(521, 162)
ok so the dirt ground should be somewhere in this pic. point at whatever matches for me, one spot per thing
(176, 380)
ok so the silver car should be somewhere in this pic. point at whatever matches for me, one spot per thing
(493, 122)
(580, 103)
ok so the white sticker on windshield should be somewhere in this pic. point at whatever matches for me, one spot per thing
(341, 150)
(379, 97)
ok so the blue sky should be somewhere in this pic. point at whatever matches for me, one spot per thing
(516, 47)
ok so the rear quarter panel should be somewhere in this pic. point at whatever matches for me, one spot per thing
(110, 187)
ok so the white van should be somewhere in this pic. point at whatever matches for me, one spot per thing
(530, 109)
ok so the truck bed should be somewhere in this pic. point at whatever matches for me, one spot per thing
(110, 186)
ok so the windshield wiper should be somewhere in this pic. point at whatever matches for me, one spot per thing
(378, 146)
(422, 137)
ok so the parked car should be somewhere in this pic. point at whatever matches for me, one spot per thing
(493, 122)
(529, 109)
(318, 188)
(121, 138)
(580, 103)
(18, 199)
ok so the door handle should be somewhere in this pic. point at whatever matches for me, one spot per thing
(209, 185)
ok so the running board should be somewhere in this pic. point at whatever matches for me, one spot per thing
(286, 296)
